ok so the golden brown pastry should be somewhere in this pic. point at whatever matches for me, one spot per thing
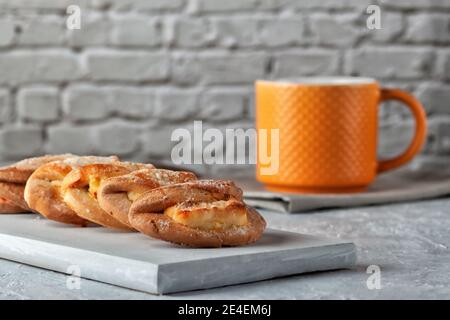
(43, 188)
(14, 177)
(203, 213)
(79, 189)
(116, 194)
(8, 207)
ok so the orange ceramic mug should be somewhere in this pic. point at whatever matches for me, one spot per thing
(328, 130)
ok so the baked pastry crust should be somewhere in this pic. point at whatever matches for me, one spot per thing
(114, 193)
(43, 188)
(79, 189)
(20, 171)
(7, 206)
(13, 192)
(14, 177)
(146, 215)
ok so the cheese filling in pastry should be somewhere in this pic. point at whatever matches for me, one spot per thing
(80, 189)
(117, 194)
(209, 215)
(133, 195)
(94, 185)
(43, 190)
(201, 213)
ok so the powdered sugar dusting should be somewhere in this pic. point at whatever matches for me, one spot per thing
(82, 161)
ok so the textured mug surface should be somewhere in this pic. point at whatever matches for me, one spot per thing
(328, 130)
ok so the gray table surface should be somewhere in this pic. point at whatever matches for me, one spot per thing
(409, 242)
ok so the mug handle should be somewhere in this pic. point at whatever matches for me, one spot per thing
(420, 132)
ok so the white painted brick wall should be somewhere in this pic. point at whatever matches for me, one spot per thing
(305, 62)
(176, 105)
(329, 30)
(392, 63)
(426, 27)
(66, 137)
(38, 104)
(136, 31)
(35, 31)
(223, 104)
(133, 66)
(7, 32)
(192, 33)
(139, 5)
(218, 68)
(117, 137)
(435, 97)
(38, 66)
(138, 69)
(133, 103)
(94, 31)
(5, 106)
(86, 102)
(19, 141)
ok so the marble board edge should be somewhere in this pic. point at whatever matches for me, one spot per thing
(333, 256)
(63, 259)
(162, 278)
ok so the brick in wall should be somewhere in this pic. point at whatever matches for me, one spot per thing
(133, 66)
(304, 63)
(325, 4)
(176, 105)
(391, 63)
(236, 32)
(394, 137)
(5, 106)
(439, 135)
(445, 65)
(117, 137)
(20, 141)
(95, 31)
(134, 103)
(223, 104)
(78, 102)
(136, 31)
(192, 33)
(392, 27)
(156, 142)
(219, 68)
(251, 32)
(36, 31)
(141, 5)
(287, 31)
(66, 137)
(329, 31)
(19, 67)
(416, 4)
(435, 97)
(7, 32)
(38, 104)
(426, 27)
(212, 6)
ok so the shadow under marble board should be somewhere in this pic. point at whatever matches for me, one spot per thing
(135, 261)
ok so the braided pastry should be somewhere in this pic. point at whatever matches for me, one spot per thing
(13, 179)
(203, 213)
(43, 188)
(116, 194)
(80, 188)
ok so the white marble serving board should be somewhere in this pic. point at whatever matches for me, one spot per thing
(135, 261)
